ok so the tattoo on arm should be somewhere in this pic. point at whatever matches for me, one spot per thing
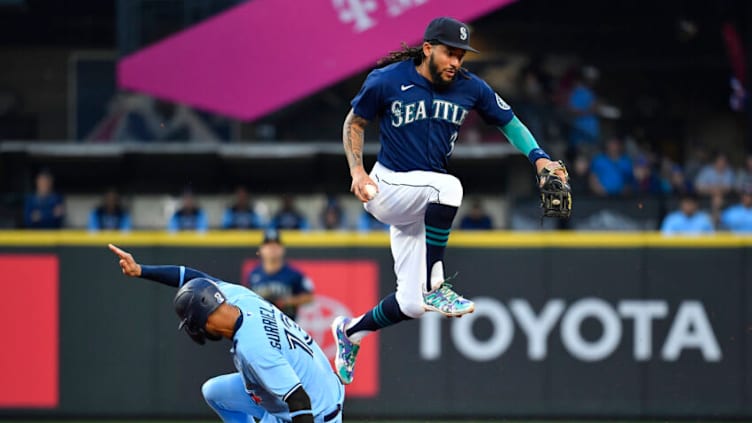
(352, 138)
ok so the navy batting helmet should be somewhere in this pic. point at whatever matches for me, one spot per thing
(194, 302)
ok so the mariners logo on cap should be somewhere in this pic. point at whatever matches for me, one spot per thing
(450, 32)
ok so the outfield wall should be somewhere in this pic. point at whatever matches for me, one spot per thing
(594, 325)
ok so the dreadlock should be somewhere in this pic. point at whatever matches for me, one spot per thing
(411, 53)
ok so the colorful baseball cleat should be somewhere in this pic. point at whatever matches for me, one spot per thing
(447, 302)
(347, 351)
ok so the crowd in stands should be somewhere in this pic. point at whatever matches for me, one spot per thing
(44, 209)
(709, 196)
(712, 194)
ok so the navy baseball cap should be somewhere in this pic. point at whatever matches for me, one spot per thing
(450, 32)
(271, 235)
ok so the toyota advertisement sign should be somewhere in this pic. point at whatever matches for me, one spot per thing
(618, 332)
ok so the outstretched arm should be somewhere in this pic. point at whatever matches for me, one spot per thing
(174, 276)
(353, 132)
(524, 141)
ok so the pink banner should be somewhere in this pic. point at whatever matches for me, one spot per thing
(265, 54)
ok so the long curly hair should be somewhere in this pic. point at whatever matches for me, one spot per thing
(406, 53)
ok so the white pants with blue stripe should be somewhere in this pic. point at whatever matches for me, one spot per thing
(401, 203)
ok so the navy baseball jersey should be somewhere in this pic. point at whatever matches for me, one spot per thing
(287, 282)
(45, 207)
(420, 123)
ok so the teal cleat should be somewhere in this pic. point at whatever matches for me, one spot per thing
(347, 351)
(447, 302)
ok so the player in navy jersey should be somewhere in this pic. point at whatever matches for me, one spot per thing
(282, 374)
(278, 282)
(421, 96)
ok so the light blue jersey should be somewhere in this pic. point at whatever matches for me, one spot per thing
(679, 223)
(737, 219)
(275, 356)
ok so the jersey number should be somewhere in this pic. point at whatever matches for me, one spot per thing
(296, 342)
(452, 140)
(293, 340)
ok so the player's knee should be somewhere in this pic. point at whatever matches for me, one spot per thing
(210, 390)
(451, 191)
(412, 308)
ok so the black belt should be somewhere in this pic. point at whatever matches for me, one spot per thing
(333, 414)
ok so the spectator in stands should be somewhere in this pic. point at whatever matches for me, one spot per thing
(240, 214)
(580, 175)
(534, 103)
(715, 179)
(476, 219)
(744, 175)
(678, 181)
(44, 209)
(644, 180)
(277, 281)
(189, 217)
(288, 217)
(582, 105)
(688, 219)
(738, 218)
(332, 217)
(697, 158)
(611, 171)
(110, 215)
(368, 223)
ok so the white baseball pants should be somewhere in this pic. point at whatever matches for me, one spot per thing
(401, 203)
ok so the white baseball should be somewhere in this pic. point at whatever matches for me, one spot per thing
(555, 201)
(371, 191)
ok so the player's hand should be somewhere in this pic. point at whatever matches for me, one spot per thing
(541, 163)
(127, 263)
(359, 181)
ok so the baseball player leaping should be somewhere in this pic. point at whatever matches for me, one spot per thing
(421, 96)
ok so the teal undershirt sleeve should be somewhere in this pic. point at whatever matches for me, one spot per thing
(523, 140)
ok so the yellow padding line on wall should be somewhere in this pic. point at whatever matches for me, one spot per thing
(490, 239)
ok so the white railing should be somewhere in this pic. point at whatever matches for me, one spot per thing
(270, 150)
